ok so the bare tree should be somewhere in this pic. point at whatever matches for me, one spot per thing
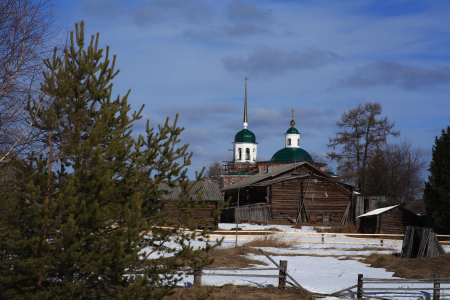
(317, 158)
(360, 133)
(214, 173)
(27, 32)
(396, 171)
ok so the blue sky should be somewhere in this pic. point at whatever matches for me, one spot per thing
(320, 57)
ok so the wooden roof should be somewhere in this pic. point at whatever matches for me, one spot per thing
(277, 174)
(211, 191)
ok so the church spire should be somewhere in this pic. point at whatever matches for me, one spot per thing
(245, 106)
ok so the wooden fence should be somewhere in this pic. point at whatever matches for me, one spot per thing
(282, 273)
(383, 287)
(326, 238)
(198, 273)
(247, 213)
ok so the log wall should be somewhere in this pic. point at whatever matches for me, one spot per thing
(198, 213)
(322, 197)
(396, 220)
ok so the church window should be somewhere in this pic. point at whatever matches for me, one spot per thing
(240, 153)
(289, 142)
(247, 153)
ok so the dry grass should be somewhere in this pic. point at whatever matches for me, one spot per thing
(274, 229)
(233, 257)
(227, 292)
(411, 267)
(347, 228)
(370, 249)
(277, 241)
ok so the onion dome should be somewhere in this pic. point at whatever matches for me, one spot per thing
(292, 130)
(245, 136)
(291, 155)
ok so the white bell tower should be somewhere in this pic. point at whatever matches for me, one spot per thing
(245, 145)
(292, 136)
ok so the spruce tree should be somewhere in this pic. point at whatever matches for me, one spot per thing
(85, 218)
(437, 190)
(377, 179)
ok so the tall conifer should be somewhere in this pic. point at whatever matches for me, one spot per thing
(437, 190)
(74, 222)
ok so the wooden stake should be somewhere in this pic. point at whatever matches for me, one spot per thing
(197, 278)
(283, 270)
(360, 286)
(437, 286)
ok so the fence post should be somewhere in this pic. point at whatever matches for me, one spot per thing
(197, 277)
(437, 287)
(323, 238)
(283, 270)
(360, 286)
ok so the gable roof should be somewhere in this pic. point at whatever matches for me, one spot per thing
(211, 191)
(271, 175)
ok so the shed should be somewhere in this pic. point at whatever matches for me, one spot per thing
(211, 198)
(296, 192)
(388, 220)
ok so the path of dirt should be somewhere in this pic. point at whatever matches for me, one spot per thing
(240, 292)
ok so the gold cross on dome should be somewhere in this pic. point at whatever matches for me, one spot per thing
(292, 113)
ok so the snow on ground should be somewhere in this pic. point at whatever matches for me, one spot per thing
(317, 274)
(319, 267)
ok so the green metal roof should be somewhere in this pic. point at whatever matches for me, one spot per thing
(245, 136)
(292, 155)
(292, 130)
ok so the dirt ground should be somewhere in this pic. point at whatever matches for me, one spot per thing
(411, 267)
(234, 257)
(235, 292)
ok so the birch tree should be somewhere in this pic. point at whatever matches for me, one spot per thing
(27, 35)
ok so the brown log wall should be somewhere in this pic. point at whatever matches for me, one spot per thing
(198, 212)
(321, 197)
(396, 220)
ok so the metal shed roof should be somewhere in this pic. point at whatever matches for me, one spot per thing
(378, 211)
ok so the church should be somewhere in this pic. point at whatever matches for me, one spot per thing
(290, 187)
(245, 161)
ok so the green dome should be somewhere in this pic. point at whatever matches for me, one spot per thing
(245, 136)
(292, 155)
(292, 130)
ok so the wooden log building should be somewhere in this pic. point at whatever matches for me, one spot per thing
(211, 198)
(389, 220)
(297, 192)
